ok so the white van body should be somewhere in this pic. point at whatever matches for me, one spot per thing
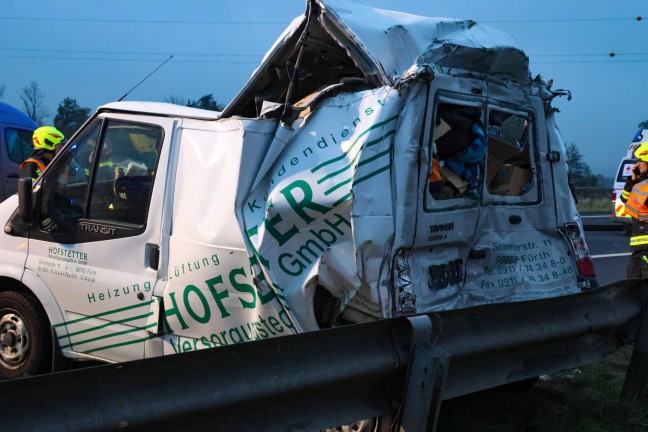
(623, 172)
(201, 229)
(16, 130)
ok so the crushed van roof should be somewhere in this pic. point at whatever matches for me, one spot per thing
(337, 40)
(399, 40)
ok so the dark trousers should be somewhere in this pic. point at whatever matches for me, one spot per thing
(638, 267)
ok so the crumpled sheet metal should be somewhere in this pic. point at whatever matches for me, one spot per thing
(396, 40)
(308, 193)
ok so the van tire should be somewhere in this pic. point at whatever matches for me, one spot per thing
(25, 344)
(627, 229)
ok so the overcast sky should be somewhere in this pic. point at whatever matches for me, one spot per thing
(95, 51)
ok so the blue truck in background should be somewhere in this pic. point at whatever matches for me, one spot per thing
(16, 130)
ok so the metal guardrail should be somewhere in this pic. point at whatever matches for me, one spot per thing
(509, 342)
(312, 381)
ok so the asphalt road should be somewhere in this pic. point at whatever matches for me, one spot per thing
(609, 247)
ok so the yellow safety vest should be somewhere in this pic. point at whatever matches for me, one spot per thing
(636, 207)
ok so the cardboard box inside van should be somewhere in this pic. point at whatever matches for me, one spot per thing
(506, 173)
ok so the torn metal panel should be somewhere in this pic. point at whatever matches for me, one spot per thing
(342, 147)
(337, 40)
(398, 40)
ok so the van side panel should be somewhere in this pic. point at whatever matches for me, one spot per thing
(210, 298)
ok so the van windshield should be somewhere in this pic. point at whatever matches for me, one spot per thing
(625, 170)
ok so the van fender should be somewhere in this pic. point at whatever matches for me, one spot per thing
(12, 270)
(44, 295)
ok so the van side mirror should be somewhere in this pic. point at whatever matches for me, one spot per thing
(25, 204)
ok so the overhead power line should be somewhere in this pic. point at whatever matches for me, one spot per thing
(611, 54)
(255, 62)
(124, 52)
(139, 21)
(637, 18)
(125, 59)
(209, 57)
(611, 62)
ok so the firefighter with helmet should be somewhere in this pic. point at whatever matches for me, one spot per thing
(45, 138)
(635, 196)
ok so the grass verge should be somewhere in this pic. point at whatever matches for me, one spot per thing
(580, 400)
(587, 205)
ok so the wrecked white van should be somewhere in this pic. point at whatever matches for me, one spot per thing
(376, 164)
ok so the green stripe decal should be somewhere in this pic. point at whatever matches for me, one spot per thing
(341, 200)
(131, 330)
(108, 324)
(337, 186)
(361, 179)
(374, 157)
(110, 312)
(350, 164)
(375, 173)
(336, 159)
(153, 336)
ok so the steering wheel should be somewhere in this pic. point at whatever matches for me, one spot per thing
(124, 187)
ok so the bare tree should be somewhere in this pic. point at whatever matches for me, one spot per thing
(32, 98)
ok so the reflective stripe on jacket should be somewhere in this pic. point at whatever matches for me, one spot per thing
(641, 240)
(41, 165)
(636, 204)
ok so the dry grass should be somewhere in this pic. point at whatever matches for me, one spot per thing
(587, 205)
(583, 400)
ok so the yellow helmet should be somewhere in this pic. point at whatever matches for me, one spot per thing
(642, 152)
(47, 137)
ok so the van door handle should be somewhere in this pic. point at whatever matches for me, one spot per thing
(12, 176)
(514, 219)
(153, 251)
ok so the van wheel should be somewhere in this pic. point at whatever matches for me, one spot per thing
(24, 339)
(627, 229)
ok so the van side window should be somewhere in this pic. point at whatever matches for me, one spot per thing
(106, 175)
(509, 169)
(458, 152)
(19, 144)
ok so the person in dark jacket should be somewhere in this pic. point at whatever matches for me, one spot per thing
(45, 138)
(634, 196)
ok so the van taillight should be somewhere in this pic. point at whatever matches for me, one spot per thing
(585, 267)
(582, 258)
(613, 196)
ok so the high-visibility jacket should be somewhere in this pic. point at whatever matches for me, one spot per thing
(636, 207)
(39, 164)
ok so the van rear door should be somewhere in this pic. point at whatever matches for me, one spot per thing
(448, 202)
(499, 242)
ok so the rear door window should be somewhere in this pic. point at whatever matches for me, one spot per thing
(625, 170)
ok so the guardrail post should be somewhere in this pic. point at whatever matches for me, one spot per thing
(427, 371)
(636, 380)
